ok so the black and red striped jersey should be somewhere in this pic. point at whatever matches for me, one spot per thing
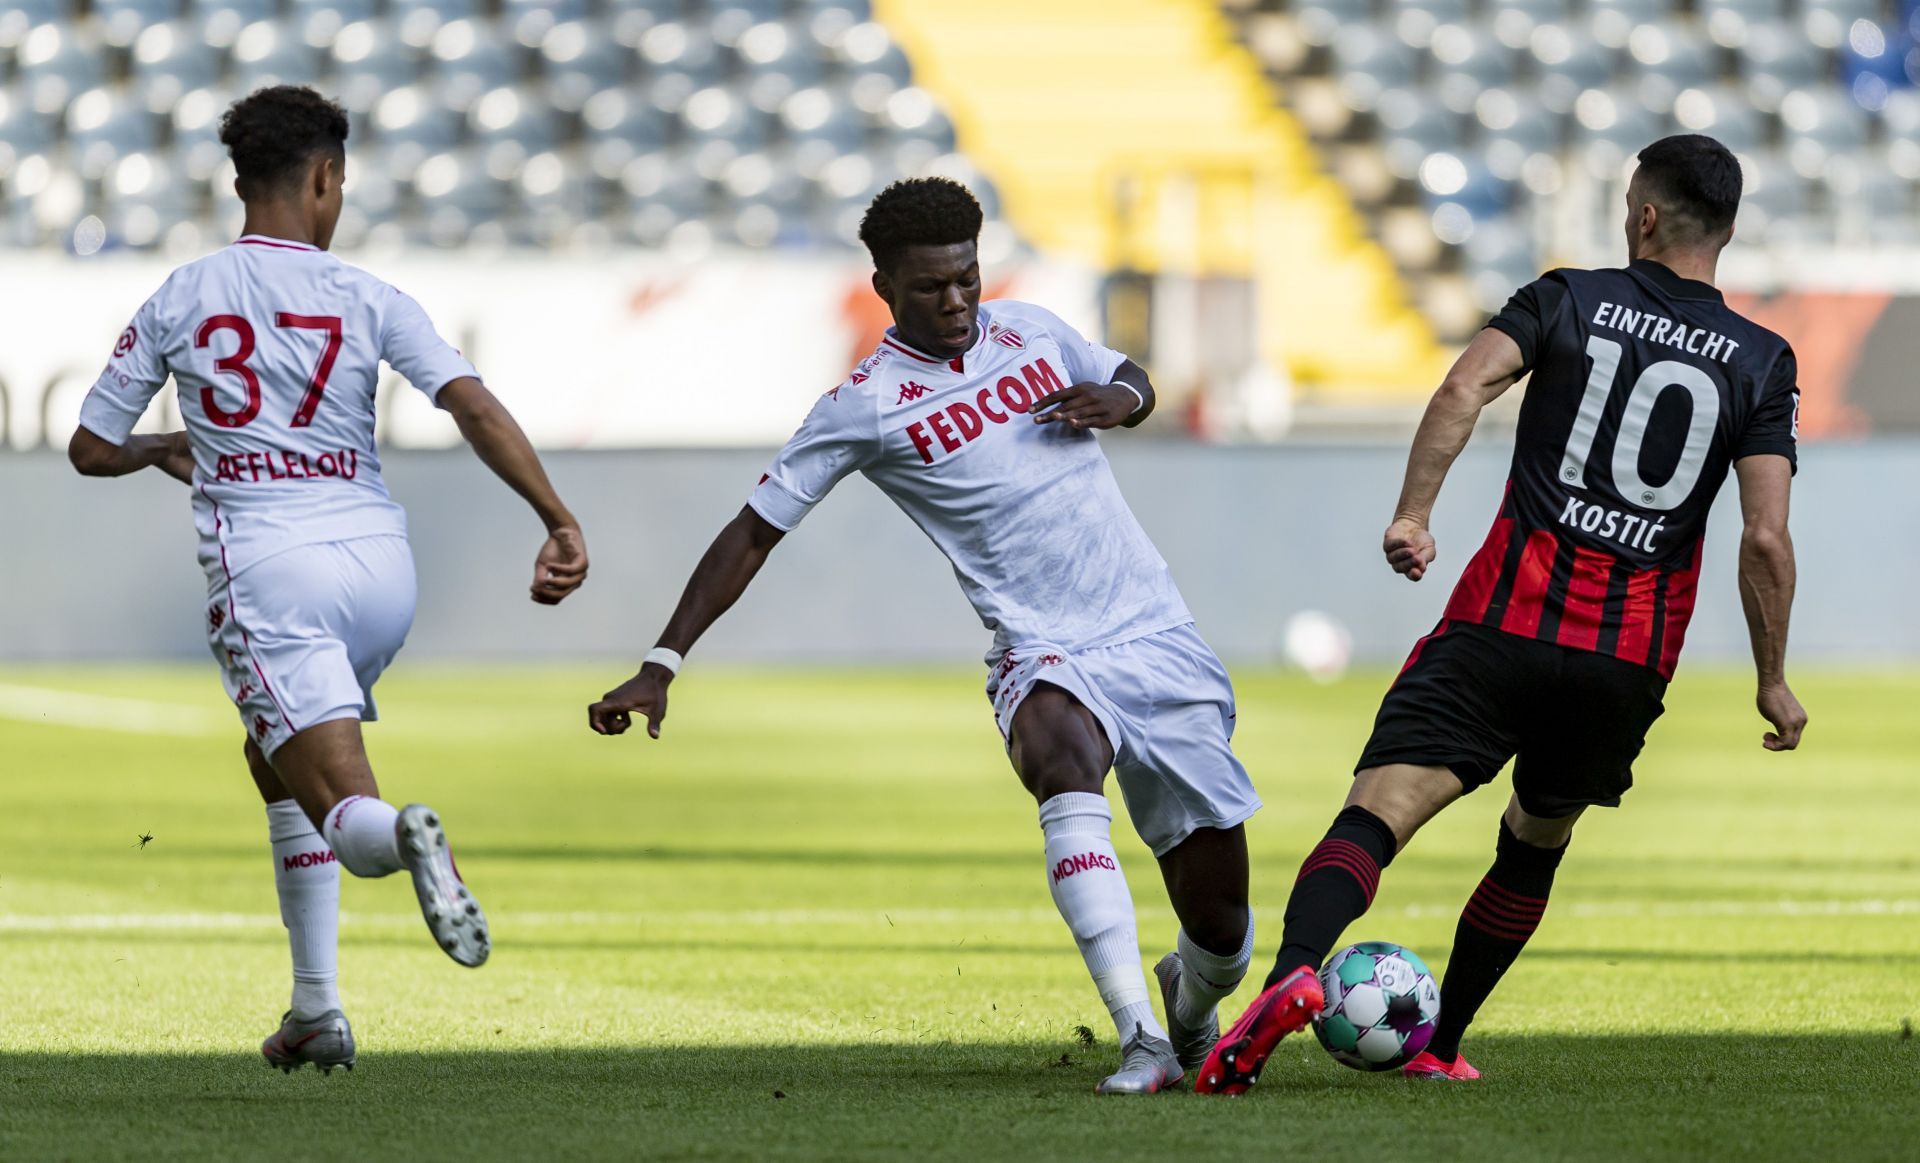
(1646, 387)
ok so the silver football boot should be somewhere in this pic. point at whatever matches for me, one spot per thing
(1191, 1044)
(452, 914)
(325, 1041)
(1147, 1066)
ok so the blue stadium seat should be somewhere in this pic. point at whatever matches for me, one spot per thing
(580, 58)
(301, 13)
(1370, 63)
(120, 21)
(57, 62)
(469, 58)
(413, 123)
(169, 59)
(456, 194)
(514, 115)
(685, 49)
(1723, 112)
(620, 124)
(105, 125)
(272, 53)
(1570, 63)
(370, 59)
(1775, 61)
(1612, 21)
(195, 133)
(24, 130)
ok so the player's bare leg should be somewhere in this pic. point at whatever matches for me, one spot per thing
(1494, 927)
(326, 769)
(307, 878)
(1062, 756)
(1385, 807)
(1206, 879)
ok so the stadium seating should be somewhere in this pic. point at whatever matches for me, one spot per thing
(559, 123)
(1460, 126)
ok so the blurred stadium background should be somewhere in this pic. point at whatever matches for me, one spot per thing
(1294, 212)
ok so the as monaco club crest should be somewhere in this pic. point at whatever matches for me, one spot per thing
(1008, 337)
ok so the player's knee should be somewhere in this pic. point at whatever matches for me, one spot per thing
(1057, 775)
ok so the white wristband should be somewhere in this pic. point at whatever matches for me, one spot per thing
(661, 656)
(1136, 394)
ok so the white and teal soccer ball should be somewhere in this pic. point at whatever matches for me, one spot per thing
(1382, 1003)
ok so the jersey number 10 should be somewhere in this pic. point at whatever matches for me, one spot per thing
(236, 365)
(1647, 391)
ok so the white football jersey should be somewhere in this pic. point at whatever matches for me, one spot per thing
(1029, 514)
(275, 348)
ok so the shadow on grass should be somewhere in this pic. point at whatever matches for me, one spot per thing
(1544, 1098)
(635, 939)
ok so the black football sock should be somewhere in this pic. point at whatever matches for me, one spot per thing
(1335, 886)
(1500, 915)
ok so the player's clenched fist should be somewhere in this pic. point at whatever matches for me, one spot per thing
(1779, 706)
(645, 692)
(1409, 548)
(560, 567)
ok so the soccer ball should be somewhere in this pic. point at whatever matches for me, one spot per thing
(1382, 1003)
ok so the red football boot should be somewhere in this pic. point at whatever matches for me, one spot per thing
(1426, 1066)
(1285, 1008)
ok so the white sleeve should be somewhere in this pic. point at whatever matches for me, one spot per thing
(839, 436)
(135, 374)
(1087, 362)
(410, 344)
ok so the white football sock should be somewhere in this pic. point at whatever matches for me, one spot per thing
(1207, 978)
(360, 828)
(308, 879)
(1091, 893)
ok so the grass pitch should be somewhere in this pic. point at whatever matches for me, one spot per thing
(811, 922)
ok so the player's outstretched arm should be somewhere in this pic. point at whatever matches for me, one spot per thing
(1126, 402)
(561, 564)
(1490, 365)
(95, 456)
(1766, 590)
(718, 581)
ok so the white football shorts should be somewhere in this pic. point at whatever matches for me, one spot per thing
(1166, 704)
(302, 636)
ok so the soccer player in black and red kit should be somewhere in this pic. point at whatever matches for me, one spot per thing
(1557, 645)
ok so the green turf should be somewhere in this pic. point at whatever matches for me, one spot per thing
(826, 886)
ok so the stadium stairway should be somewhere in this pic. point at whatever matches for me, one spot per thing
(1139, 134)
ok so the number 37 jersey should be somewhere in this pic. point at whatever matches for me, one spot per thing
(1646, 387)
(275, 349)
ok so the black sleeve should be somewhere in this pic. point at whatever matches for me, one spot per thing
(1774, 426)
(1524, 318)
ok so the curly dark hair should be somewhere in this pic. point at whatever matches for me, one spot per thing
(270, 133)
(1696, 179)
(918, 212)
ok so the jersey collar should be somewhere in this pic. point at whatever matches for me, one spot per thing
(1663, 277)
(957, 363)
(275, 243)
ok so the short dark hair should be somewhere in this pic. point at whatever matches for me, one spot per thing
(1694, 178)
(918, 212)
(270, 133)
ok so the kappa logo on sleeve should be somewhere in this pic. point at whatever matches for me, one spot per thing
(125, 343)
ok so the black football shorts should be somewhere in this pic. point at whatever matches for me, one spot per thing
(1472, 697)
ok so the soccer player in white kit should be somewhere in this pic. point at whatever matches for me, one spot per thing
(977, 421)
(275, 347)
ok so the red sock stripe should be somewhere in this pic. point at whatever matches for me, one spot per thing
(1502, 913)
(1500, 892)
(1349, 858)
